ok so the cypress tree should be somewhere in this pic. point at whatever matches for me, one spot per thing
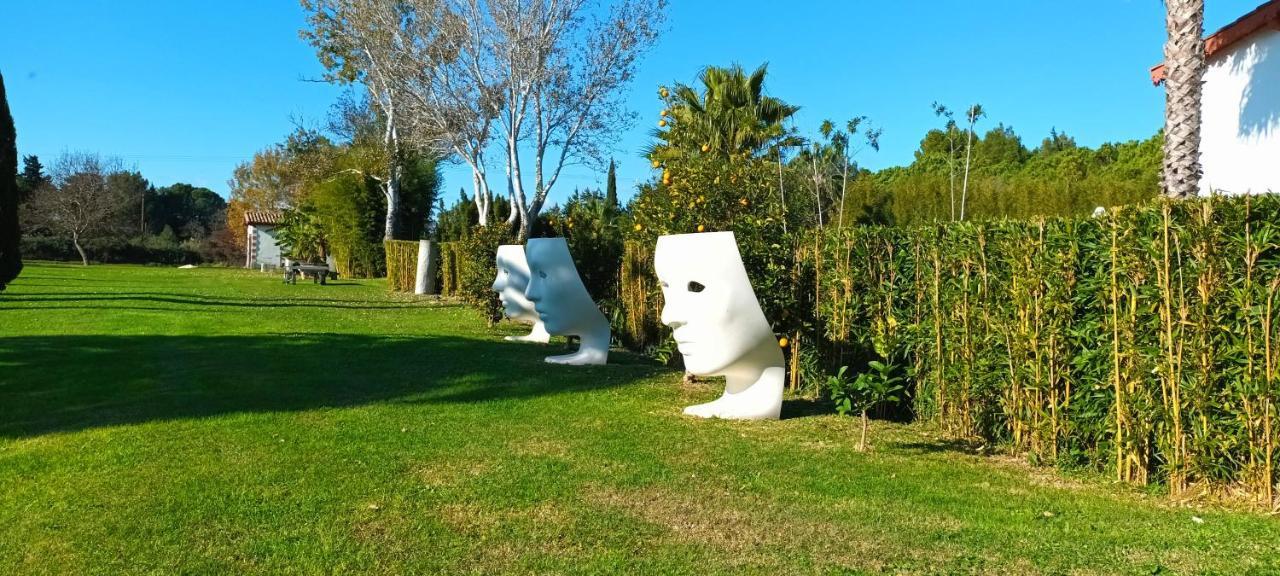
(611, 188)
(10, 259)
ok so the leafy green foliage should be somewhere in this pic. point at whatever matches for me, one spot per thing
(1058, 178)
(729, 116)
(477, 268)
(871, 389)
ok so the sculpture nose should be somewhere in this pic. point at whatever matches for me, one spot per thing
(672, 315)
(534, 290)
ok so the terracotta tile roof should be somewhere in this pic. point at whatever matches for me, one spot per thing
(263, 217)
(1265, 16)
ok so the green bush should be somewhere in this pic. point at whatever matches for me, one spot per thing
(476, 268)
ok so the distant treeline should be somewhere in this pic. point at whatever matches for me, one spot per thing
(1006, 179)
(89, 207)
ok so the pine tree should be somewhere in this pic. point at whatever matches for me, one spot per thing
(31, 178)
(10, 259)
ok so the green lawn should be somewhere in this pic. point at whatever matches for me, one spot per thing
(210, 421)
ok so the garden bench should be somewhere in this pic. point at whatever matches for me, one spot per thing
(319, 272)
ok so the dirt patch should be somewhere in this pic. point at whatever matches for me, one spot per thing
(448, 474)
(752, 532)
(540, 448)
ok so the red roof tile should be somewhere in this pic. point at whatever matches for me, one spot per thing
(1263, 17)
(263, 217)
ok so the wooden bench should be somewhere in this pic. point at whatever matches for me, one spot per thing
(319, 273)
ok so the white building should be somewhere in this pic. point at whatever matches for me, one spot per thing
(261, 247)
(1240, 115)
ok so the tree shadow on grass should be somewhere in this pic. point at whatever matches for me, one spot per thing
(806, 408)
(940, 445)
(68, 383)
(86, 300)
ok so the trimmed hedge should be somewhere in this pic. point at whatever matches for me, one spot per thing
(1143, 342)
(402, 265)
(449, 263)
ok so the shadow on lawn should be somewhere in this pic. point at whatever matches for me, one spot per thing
(67, 383)
(87, 300)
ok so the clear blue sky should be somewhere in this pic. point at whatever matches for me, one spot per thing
(183, 91)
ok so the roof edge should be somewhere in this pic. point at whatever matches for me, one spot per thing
(1266, 15)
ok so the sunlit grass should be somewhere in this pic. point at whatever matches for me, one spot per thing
(215, 421)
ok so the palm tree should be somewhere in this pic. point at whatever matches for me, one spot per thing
(1183, 73)
(731, 115)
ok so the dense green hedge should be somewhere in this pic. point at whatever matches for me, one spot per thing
(1142, 341)
(402, 265)
(467, 268)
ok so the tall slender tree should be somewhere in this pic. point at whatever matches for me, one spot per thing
(973, 114)
(10, 235)
(1184, 66)
(611, 187)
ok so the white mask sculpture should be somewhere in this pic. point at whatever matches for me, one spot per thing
(512, 279)
(718, 324)
(562, 302)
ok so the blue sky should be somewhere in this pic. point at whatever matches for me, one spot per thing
(183, 91)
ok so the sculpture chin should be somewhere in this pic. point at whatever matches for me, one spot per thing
(762, 400)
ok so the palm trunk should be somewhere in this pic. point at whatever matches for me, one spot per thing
(1184, 66)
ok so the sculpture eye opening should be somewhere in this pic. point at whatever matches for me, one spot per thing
(542, 275)
(696, 287)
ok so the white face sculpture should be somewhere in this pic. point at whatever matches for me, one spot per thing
(512, 279)
(710, 306)
(562, 302)
(556, 290)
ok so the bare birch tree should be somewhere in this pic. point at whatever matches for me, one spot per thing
(973, 114)
(560, 66)
(449, 82)
(78, 203)
(360, 41)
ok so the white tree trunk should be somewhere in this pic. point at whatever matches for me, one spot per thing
(968, 156)
(480, 197)
(392, 192)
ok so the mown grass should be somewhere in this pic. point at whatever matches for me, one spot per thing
(161, 421)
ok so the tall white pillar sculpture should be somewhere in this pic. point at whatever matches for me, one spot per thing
(512, 279)
(718, 324)
(562, 302)
(425, 282)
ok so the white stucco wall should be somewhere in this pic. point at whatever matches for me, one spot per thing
(263, 247)
(1240, 130)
